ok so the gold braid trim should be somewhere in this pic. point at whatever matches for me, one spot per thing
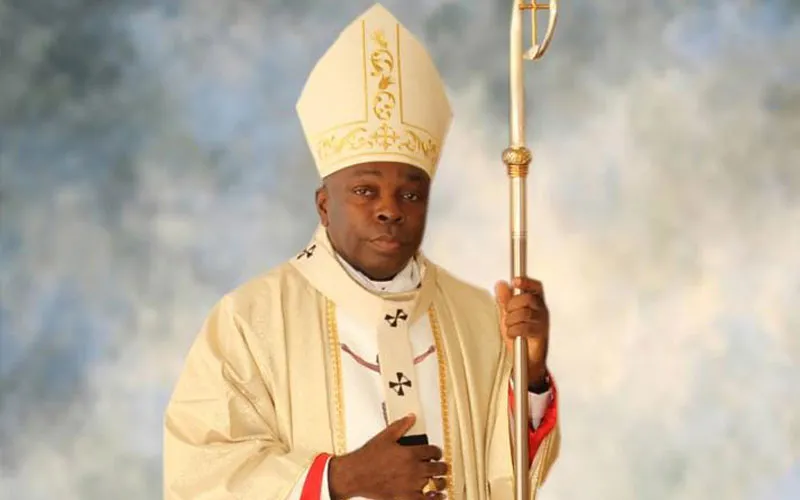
(448, 442)
(340, 443)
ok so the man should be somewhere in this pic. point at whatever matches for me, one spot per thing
(360, 369)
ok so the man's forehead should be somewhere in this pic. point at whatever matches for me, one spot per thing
(382, 169)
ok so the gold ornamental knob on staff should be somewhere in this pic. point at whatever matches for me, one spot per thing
(517, 158)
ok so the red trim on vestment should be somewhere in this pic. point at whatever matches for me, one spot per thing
(312, 488)
(548, 423)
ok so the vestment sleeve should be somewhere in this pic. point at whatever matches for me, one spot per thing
(221, 438)
(544, 441)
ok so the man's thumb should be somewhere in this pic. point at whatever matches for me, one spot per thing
(502, 293)
(398, 428)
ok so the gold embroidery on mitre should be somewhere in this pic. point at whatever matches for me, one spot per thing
(381, 136)
(382, 61)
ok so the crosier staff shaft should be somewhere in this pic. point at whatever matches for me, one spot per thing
(517, 158)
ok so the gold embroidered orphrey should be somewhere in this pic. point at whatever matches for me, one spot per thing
(383, 92)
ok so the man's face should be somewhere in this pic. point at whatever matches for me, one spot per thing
(375, 215)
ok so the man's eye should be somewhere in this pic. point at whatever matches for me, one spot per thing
(362, 191)
(412, 196)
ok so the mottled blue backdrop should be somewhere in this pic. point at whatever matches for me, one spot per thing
(151, 160)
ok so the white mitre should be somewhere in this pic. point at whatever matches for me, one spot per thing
(375, 96)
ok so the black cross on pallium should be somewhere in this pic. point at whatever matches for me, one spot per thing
(402, 381)
(308, 252)
(400, 315)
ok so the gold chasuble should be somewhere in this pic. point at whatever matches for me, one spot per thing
(311, 359)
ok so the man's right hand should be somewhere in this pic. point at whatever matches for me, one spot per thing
(382, 469)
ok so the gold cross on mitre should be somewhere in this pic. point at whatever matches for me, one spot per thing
(375, 95)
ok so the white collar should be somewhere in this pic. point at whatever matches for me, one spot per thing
(406, 280)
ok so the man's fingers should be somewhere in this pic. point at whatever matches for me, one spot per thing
(528, 285)
(398, 428)
(431, 469)
(527, 299)
(524, 315)
(524, 331)
(423, 496)
(504, 293)
(441, 486)
(427, 452)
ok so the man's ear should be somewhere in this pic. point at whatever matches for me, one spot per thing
(321, 200)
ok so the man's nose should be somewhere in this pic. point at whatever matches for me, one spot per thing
(389, 211)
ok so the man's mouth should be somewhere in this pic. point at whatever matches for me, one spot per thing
(387, 242)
